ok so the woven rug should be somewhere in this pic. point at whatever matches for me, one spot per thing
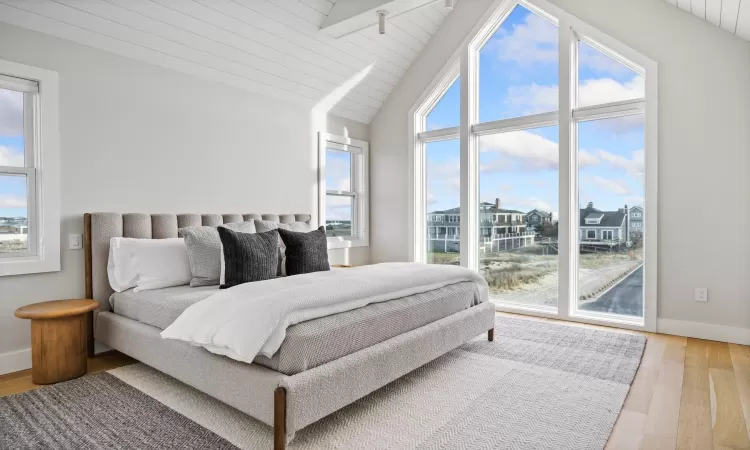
(539, 385)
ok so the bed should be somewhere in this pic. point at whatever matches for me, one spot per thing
(312, 374)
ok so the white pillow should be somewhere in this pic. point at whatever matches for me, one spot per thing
(160, 263)
(120, 269)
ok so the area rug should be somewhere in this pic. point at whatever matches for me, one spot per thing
(539, 385)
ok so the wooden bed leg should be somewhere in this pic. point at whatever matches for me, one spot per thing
(279, 419)
(491, 334)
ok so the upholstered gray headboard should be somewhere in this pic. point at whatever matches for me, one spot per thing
(99, 228)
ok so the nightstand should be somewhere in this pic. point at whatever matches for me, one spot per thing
(59, 337)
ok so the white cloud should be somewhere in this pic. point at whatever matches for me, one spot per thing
(431, 199)
(586, 159)
(11, 113)
(12, 201)
(618, 187)
(338, 208)
(11, 157)
(526, 151)
(447, 174)
(533, 41)
(534, 98)
(634, 200)
(605, 90)
(520, 203)
(595, 60)
(635, 166)
(531, 203)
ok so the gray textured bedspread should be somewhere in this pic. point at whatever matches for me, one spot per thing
(318, 341)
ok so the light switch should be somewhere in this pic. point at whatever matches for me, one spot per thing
(75, 241)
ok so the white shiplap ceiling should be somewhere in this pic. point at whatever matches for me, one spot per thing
(268, 46)
(731, 15)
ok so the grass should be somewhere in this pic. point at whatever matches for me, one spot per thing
(598, 260)
(512, 270)
(443, 258)
(514, 276)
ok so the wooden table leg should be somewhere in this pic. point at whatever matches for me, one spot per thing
(279, 419)
(58, 349)
(491, 334)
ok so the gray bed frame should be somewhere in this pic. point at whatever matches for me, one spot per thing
(287, 403)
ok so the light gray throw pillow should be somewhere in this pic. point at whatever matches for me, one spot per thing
(204, 251)
(261, 226)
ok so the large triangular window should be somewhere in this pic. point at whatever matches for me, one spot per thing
(557, 116)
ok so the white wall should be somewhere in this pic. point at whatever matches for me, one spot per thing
(139, 138)
(704, 153)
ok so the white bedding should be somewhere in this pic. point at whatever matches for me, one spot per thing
(251, 319)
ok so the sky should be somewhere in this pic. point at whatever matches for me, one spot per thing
(12, 188)
(518, 76)
(338, 178)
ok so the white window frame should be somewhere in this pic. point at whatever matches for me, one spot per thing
(464, 63)
(588, 234)
(360, 157)
(417, 140)
(609, 233)
(42, 169)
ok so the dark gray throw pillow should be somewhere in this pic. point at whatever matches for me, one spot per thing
(305, 252)
(249, 257)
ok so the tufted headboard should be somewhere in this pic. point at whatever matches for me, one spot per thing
(99, 228)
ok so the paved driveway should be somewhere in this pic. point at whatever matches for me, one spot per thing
(625, 298)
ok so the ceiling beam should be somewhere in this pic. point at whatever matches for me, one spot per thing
(350, 16)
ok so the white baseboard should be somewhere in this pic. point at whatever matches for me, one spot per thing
(21, 359)
(707, 331)
(15, 361)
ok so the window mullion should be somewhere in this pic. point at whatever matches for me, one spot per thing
(567, 236)
(469, 167)
(440, 135)
(12, 170)
(516, 124)
(610, 110)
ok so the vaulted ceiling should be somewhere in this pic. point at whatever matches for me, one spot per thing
(274, 47)
(731, 15)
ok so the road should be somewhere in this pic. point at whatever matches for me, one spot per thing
(626, 297)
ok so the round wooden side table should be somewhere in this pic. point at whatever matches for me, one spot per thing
(59, 335)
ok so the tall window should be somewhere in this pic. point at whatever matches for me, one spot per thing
(561, 125)
(438, 146)
(29, 197)
(344, 190)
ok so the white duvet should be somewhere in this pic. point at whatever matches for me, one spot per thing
(251, 319)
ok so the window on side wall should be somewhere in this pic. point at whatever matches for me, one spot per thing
(343, 192)
(29, 170)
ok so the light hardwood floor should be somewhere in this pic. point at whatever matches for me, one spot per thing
(17, 382)
(687, 394)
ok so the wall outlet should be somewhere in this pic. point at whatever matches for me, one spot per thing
(701, 294)
(75, 241)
